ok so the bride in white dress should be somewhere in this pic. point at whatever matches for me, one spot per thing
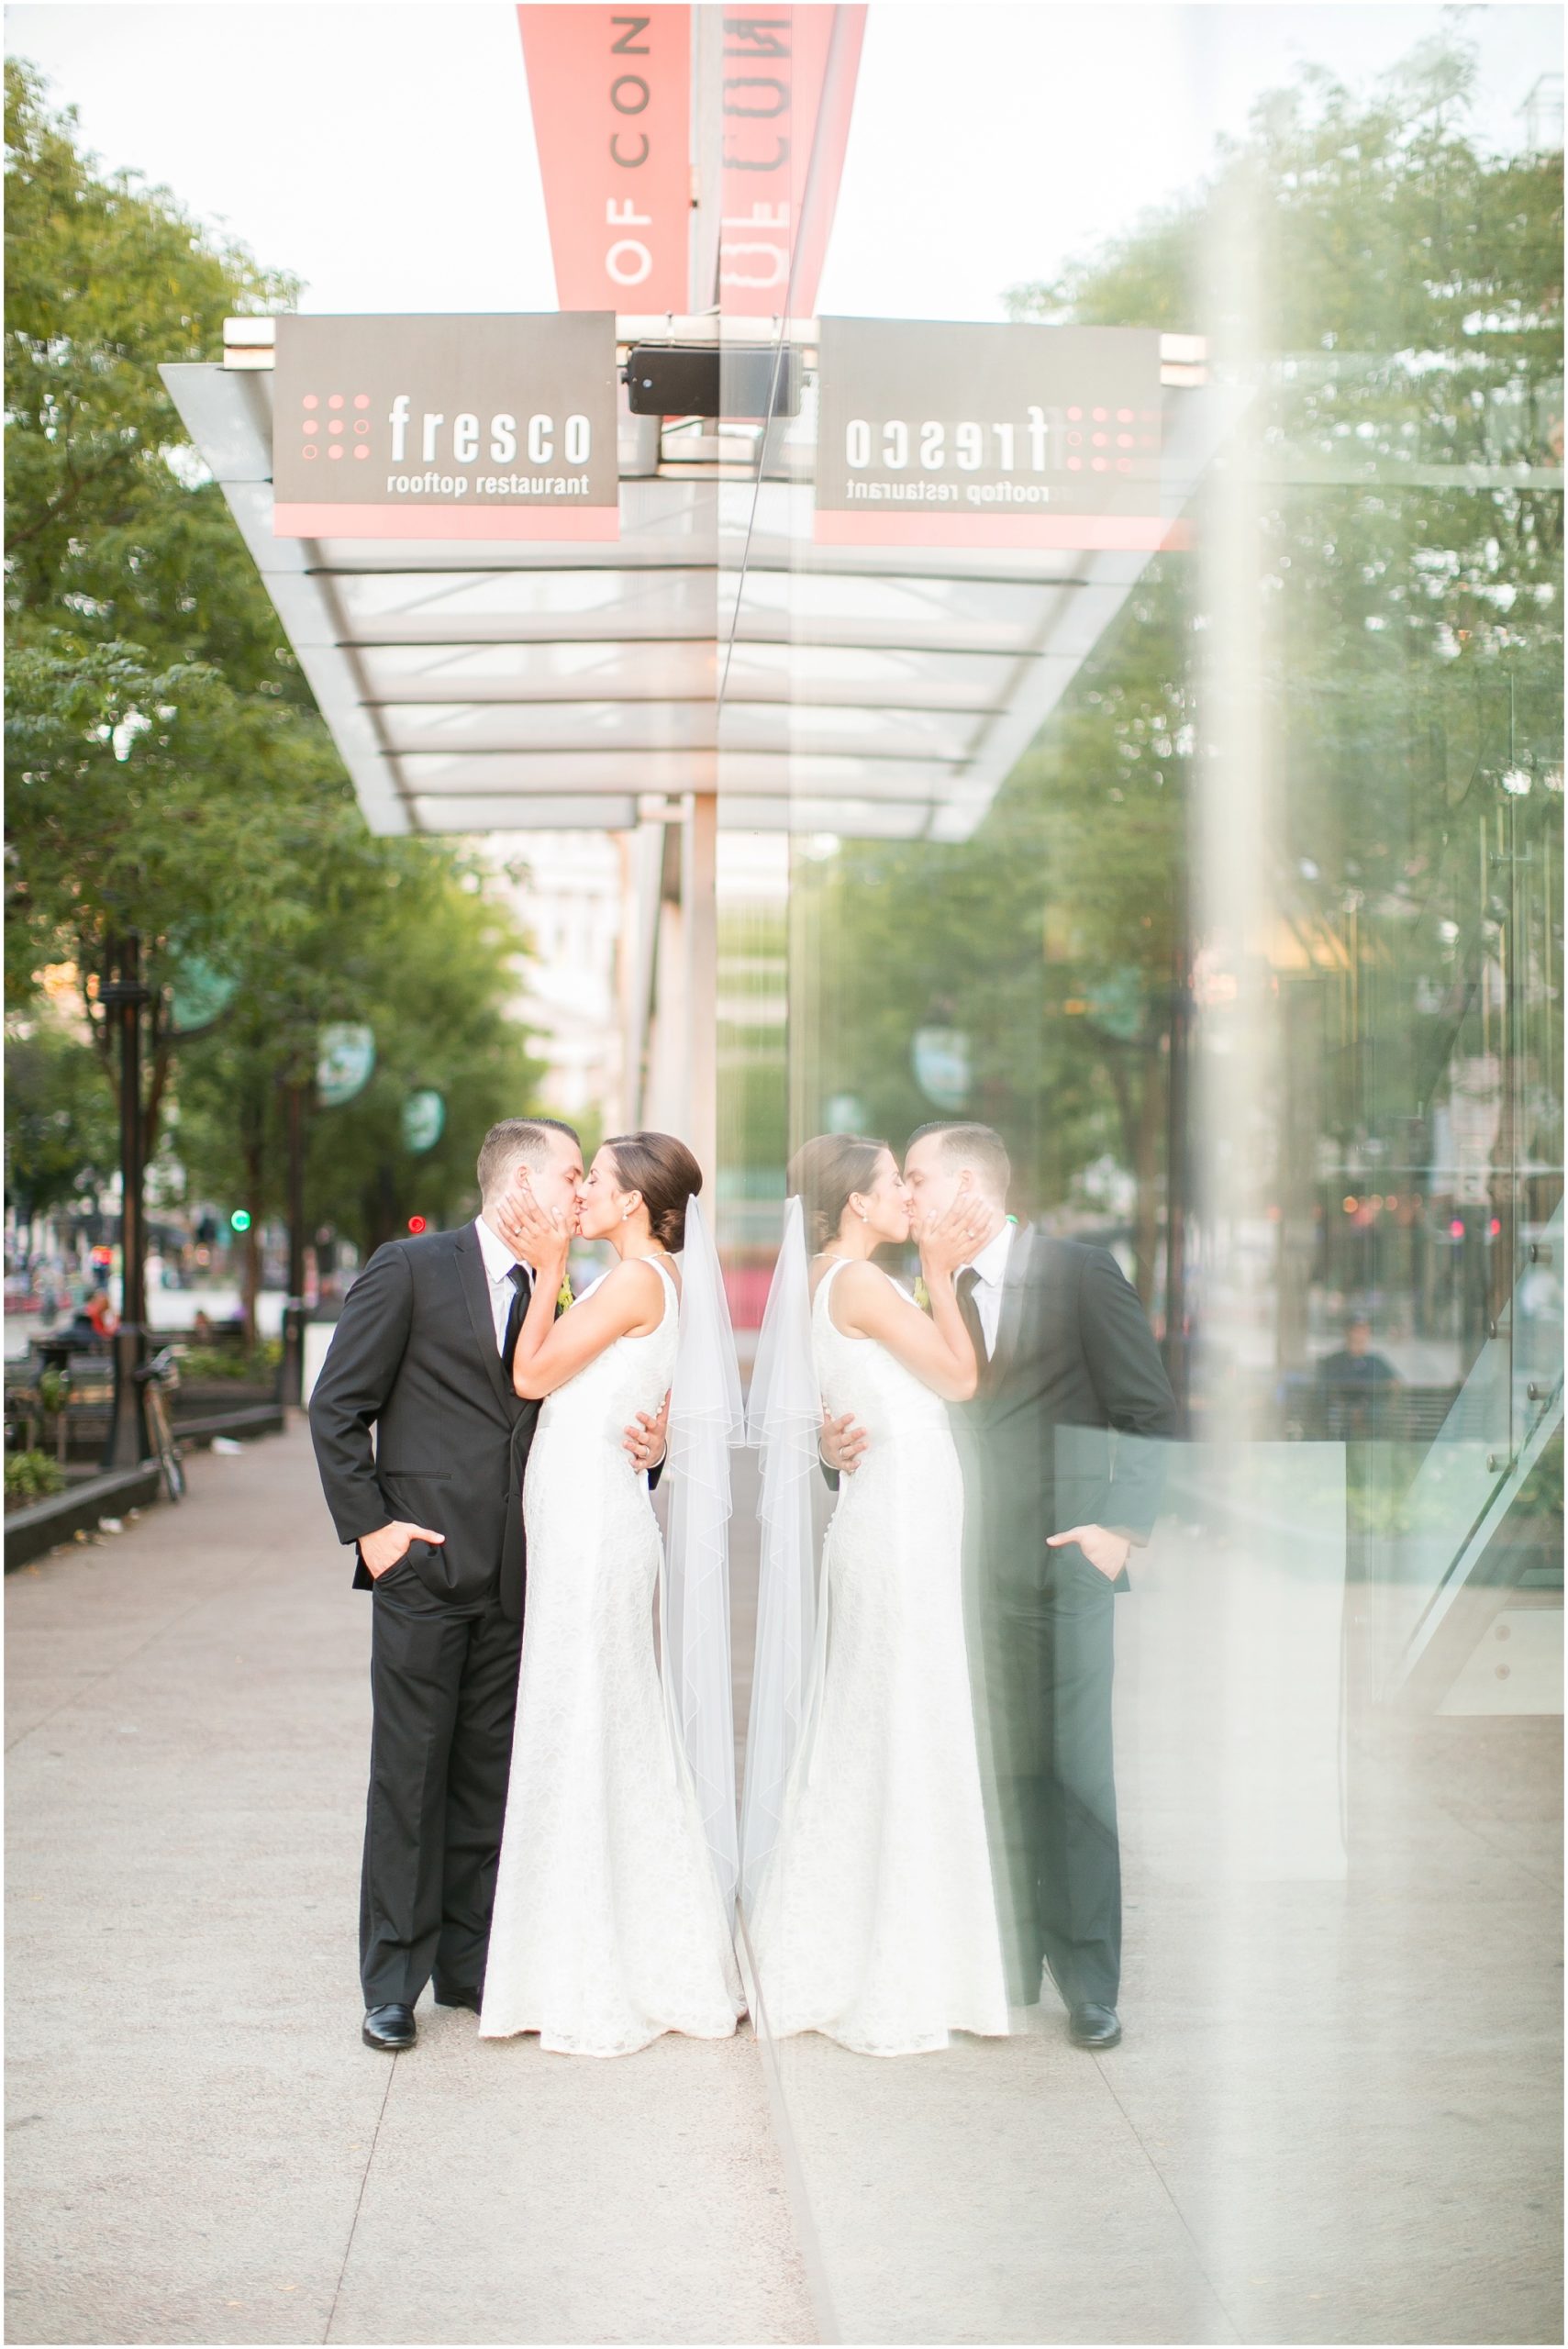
(873, 1920)
(610, 1923)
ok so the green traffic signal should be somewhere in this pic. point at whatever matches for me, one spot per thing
(241, 1219)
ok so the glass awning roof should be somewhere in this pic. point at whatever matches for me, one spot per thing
(521, 685)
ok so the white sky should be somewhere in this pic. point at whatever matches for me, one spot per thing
(385, 152)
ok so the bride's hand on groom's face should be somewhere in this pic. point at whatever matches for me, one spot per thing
(535, 1236)
(949, 1240)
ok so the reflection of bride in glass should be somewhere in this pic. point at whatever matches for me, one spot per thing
(867, 1876)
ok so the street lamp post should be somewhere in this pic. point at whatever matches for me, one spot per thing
(123, 998)
(293, 1370)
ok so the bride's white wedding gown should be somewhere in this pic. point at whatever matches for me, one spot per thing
(875, 1922)
(608, 1927)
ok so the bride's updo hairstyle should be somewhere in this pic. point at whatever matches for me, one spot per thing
(666, 1174)
(826, 1171)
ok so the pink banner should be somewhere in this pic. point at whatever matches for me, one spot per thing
(788, 89)
(1092, 533)
(305, 521)
(610, 90)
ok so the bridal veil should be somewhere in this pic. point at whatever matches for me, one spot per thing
(706, 1422)
(785, 1425)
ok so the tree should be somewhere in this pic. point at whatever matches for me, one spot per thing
(156, 721)
(105, 280)
(151, 801)
(172, 782)
(1406, 323)
(59, 1129)
(410, 947)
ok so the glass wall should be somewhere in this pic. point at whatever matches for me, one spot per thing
(1204, 844)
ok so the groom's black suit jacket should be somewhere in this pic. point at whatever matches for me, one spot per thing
(415, 1356)
(1071, 1417)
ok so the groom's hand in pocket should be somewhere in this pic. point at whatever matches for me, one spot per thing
(1107, 1551)
(648, 1436)
(381, 1550)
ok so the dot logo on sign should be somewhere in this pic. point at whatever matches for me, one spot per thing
(337, 422)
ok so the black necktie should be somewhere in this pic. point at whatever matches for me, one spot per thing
(522, 1289)
(968, 1282)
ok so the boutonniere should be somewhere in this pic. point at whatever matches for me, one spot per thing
(922, 1293)
(563, 1296)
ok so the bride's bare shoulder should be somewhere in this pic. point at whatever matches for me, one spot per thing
(637, 1294)
(632, 1275)
(856, 1294)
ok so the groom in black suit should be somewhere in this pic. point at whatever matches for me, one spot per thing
(423, 1354)
(1062, 1452)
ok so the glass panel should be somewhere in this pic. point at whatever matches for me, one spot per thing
(1233, 907)
(851, 609)
(408, 607)
(550, 772)
(541, 671)
(574, 727)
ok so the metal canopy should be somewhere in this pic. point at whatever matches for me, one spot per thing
(510, 685)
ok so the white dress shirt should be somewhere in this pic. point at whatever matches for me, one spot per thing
(991, 1266)
(498, 1263)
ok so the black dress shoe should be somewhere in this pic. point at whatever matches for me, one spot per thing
(470, 1998)
(389, 2028)
(1093, 2027)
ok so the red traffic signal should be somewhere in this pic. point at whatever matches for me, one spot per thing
(416, 1223)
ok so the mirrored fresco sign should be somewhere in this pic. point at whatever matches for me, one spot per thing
(489, 427)
(939, 435)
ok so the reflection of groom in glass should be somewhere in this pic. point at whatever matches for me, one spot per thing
(1053, 1503)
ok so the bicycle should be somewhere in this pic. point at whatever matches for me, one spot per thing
(156, 1379)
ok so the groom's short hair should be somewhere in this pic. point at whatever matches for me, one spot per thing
(517, 1141)
(980, 1148)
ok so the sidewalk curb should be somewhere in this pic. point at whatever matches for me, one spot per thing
(45, 1524)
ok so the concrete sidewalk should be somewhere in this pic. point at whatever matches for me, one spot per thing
(1335, 2118)
(200, 2148)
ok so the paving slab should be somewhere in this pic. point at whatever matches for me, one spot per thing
(200, 2148)
(1336, 2116)
(1337, 2112)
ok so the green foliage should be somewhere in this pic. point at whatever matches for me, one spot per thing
(170, 775)
(400, 937)
(105, 281)
(246, 1365)
(1540, 1497)
(1399, 298)
(60, 1123)
(158, 801)
(31, 1476)
(1380, 227)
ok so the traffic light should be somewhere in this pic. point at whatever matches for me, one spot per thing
(241, 1219)
(416, 1223)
